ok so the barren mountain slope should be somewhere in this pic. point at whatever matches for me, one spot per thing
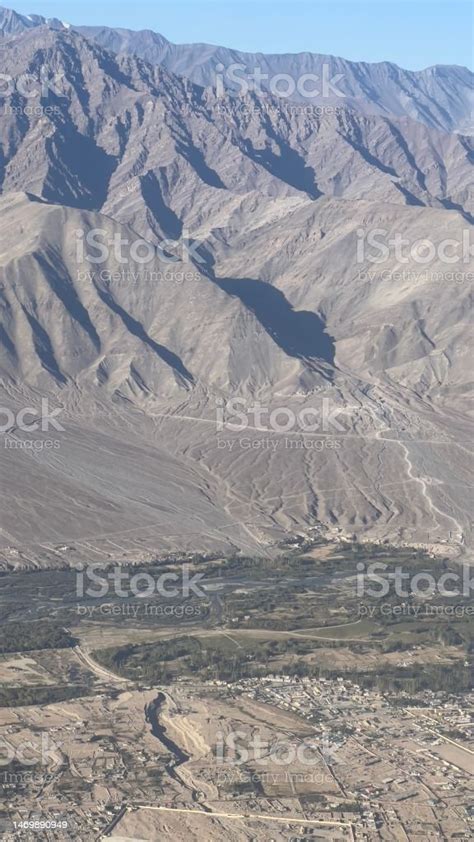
(269, 289)
(399, 314)
(117, 134)
(102, 351)
(141, 396)
(439, 97)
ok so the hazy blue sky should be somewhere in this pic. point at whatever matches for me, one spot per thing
(412, 33)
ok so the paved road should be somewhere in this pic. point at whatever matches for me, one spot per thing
(253, 816)
(97, 669)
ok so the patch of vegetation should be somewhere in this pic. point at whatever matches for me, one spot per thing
(25, 637)
(225, 659)
(22, 696)
(451, 678)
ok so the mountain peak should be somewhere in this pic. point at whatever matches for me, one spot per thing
(13, 23)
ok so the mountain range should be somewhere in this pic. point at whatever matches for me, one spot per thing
(440, 97)
(167, 246)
